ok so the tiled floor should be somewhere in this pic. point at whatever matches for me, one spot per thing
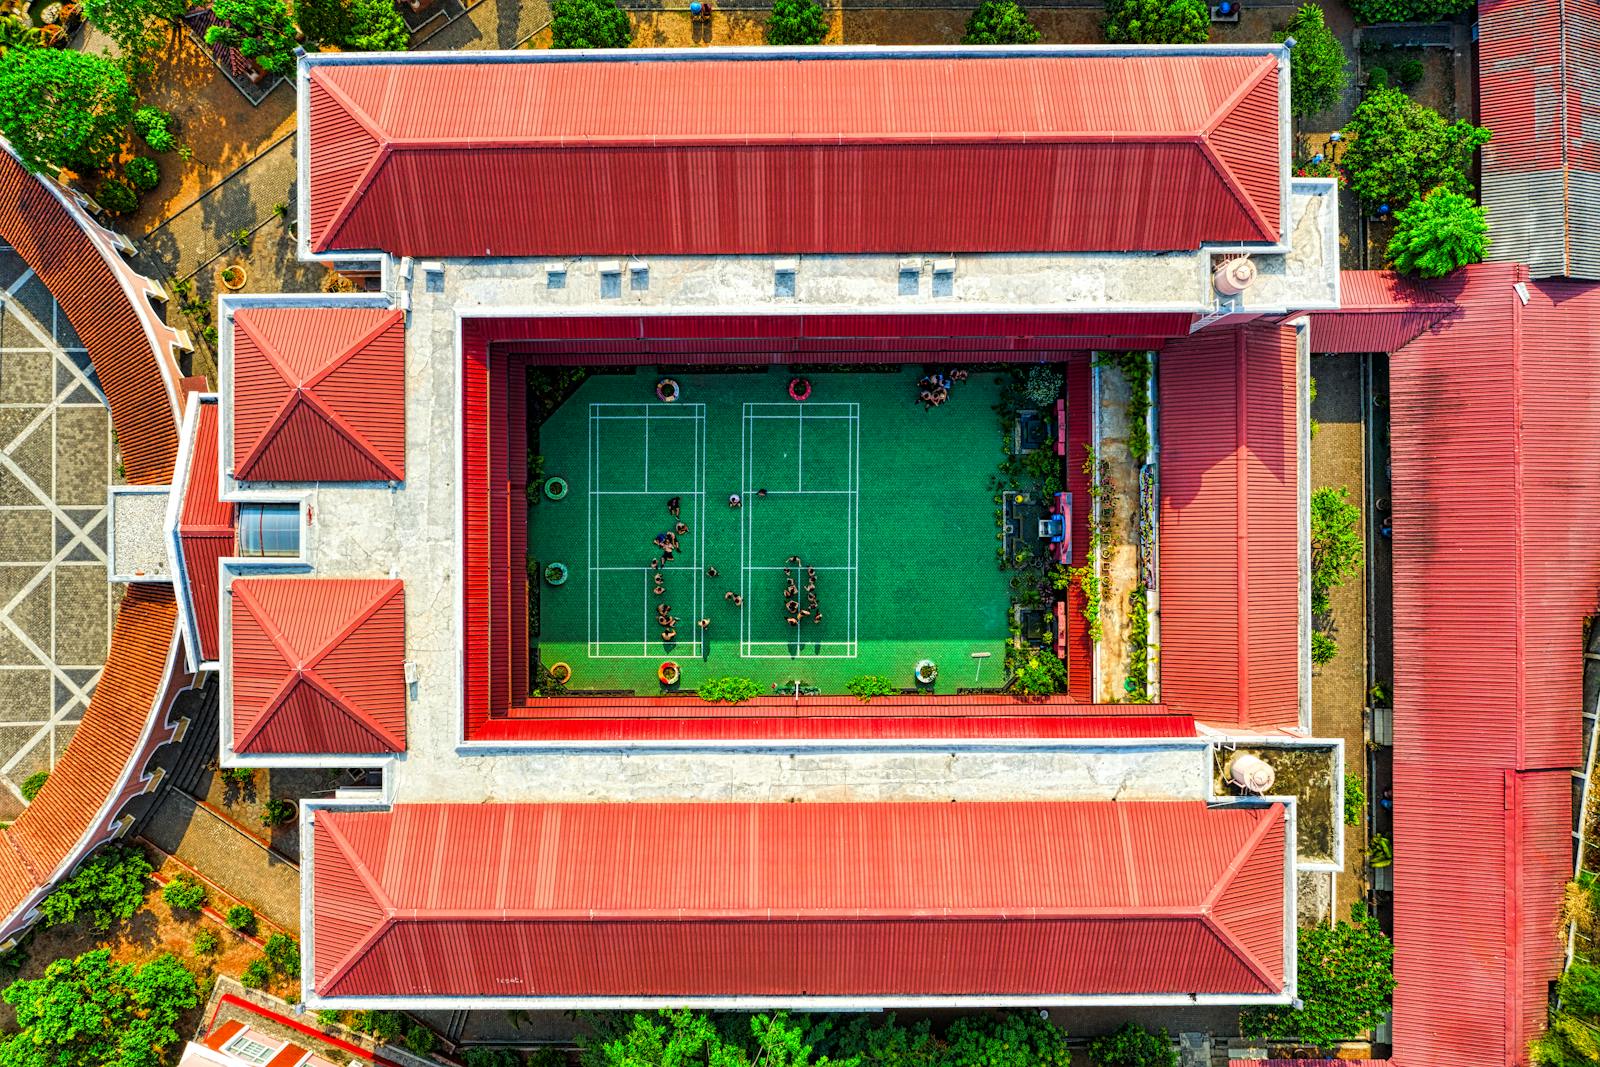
(57, 455)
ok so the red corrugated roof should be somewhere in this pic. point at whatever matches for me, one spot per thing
(318, 665)
(1496, 490)
(798, 899)
(1229, 527)
(205, 530)
(1379, 311)
(681, 723)
(319, 394)
(661, 154)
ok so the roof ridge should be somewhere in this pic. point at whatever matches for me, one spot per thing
(1225, 882)
(1231, 180)
(375, 892)
(303, 398)
(380, 154)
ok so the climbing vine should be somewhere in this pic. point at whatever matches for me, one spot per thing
(1139, 646)
(1095, 573)
(1136, 369)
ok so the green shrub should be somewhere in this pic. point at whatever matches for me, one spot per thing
(1410, 72)
(376, 26)
(1378, 78)
(257, 975)
(107, 889)
(1579, 989)
(330, 1017)
(238, 775)
(206, 942)
(1021, 1039)
(1157, 21)
(728, 690)
(867, 686)
(284, 952)
(276, 812)
(1133, 1046)
(155, 126)
(1000, 22)
(1355, 799)
(1336, 548)
(117, 196)
(143, 172)
(1370, 11)
(490, 1057)
(1346, 982)
(797, 22)
(183, 893)
(260, 29)
(1399, 150)
(1138, 683)
(1041, 674)
(589, 24)
(32, 784)
(242, 919)
(1043, 386)
(383, 1025)
(1437, 234)
(91, 1012)
(421, 1040)
(1317, 76)
(1323, 647)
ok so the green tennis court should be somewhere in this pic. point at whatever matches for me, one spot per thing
(864, 518)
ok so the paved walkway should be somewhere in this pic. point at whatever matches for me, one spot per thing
(57, 455)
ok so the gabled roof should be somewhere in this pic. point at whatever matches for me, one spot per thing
(318, 665)
(668, 152)
(319, 394)
(871, 900)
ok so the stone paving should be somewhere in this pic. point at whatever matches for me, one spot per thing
(57, 455)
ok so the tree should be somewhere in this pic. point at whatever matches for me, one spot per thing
(1400, 150)
(376, 26)
(1346, 982)
(681, 1037)
(589, 24)
(797, 22)
(1335, 541)
(183, 893)
(1157, 21)
(63, 108)
(1021, 1039)
(1133, 1046)
(109, 888)
(1317, 77)
(1000, 22)
(89, 1012)
(137, 26)
(1437, 234)
(17, 32)
(260, 29)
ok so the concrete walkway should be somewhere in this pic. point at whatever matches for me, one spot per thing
(237, 862)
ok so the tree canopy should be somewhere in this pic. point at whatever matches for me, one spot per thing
(1000, 22)
(107, 889)
(1400, 150)
(797, 22)
(137, 26)
(1157, 21)
(260, 29)
(63, 108)
(353, 25)
(589, 24)
(90, 1012)
(1437, 234)
(1336, 547)
(1317, 75)
(1346, 981)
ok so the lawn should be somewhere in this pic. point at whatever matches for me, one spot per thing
(888, 507)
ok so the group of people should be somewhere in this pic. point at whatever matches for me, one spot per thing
(934, 389)
(667, 542)
(791, 594)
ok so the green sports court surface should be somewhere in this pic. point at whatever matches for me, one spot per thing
(890, 505)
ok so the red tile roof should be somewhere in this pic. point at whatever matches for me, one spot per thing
(655, 153)
(1229, 527)
(205, 531)
(318, 665)
(618, 900)
(319, 394)
(1496, 431)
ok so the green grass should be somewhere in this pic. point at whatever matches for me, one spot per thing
(892, 504)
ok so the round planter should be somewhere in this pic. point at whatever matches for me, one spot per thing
(235, 272)
(926, 672)
(555, 573)
(667, 390)
(560, 673)
(668, 673)
(799, 389)
(555, 488)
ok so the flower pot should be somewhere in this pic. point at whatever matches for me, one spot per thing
(799, 389)
(667, 390)
(926, 672)
(555, 488)
(556, 573)
(233, 278)
(560, 673)
(668, 673)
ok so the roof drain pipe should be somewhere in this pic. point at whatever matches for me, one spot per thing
(401, 294)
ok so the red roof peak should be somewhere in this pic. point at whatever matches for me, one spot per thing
(319, 394)
(318, 665)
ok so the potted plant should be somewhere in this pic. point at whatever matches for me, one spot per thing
(799, 389)
(233, 277)
(555, 573)
(53, 35)
(667, 390)
(555, 488)
(926, 672)
(668, 673)
(560, 673)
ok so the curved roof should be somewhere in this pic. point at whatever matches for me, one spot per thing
(205, 532)
(889, 900)
(319, 394)
(662, 152)
(318, 665)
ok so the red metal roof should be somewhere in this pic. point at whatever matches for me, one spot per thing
(1229, 527)
(1379, 311)
(798, 899)
(205, 530)
(318, 665)
(656, 153)
(319, 394)
(1496, 498)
